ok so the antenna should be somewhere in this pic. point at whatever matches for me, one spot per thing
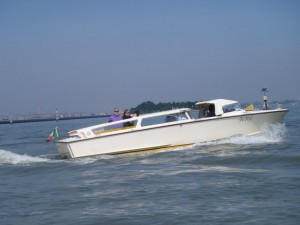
(264, 90)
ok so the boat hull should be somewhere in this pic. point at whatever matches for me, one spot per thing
(171, 135)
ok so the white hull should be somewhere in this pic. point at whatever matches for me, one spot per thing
(172, 134)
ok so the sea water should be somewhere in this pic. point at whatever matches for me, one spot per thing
(240, 180)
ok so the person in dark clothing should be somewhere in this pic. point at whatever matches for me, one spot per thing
(126, 115)
(211, 111)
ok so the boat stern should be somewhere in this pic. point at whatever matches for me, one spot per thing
(64, 149)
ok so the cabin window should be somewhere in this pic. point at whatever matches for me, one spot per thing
(194, 114)
(163, 119)
(231, 108)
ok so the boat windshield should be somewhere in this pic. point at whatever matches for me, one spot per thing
(232, 107)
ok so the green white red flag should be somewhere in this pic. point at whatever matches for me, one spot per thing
(53, 135)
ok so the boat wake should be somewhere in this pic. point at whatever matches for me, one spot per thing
(272, 133)
(10, 158)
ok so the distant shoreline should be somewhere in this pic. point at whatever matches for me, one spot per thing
(49, 119)
(145, 107)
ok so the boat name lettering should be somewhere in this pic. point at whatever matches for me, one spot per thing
(246, 118)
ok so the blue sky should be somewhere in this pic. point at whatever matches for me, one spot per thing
(90, 56)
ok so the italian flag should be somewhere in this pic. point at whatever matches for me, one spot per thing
(53, 135)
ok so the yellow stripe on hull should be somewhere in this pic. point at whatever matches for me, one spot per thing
(160, 149)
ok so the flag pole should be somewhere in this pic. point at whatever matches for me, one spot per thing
(56, 128)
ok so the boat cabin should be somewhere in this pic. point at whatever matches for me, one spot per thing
(220, 107)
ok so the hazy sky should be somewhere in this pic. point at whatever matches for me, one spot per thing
(90, 56)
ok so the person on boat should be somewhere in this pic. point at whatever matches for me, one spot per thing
(116, 116)
(211, 110)
(126, 115)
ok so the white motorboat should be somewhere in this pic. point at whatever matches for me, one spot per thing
(169, 129)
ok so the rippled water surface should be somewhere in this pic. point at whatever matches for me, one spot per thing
(241, 180)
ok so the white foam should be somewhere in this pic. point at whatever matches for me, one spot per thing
(90, 160)
(230, 169)
(10, 158)
(272, 133)
(83, 161)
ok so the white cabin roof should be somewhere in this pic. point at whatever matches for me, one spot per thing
(219, 104)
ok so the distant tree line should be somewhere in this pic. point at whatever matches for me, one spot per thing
(149, 106)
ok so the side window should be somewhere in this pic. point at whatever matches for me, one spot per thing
(153, 120)
(195, 114)
(163, 119)
(231, 108)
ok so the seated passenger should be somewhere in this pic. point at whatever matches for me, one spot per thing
(211, 110)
